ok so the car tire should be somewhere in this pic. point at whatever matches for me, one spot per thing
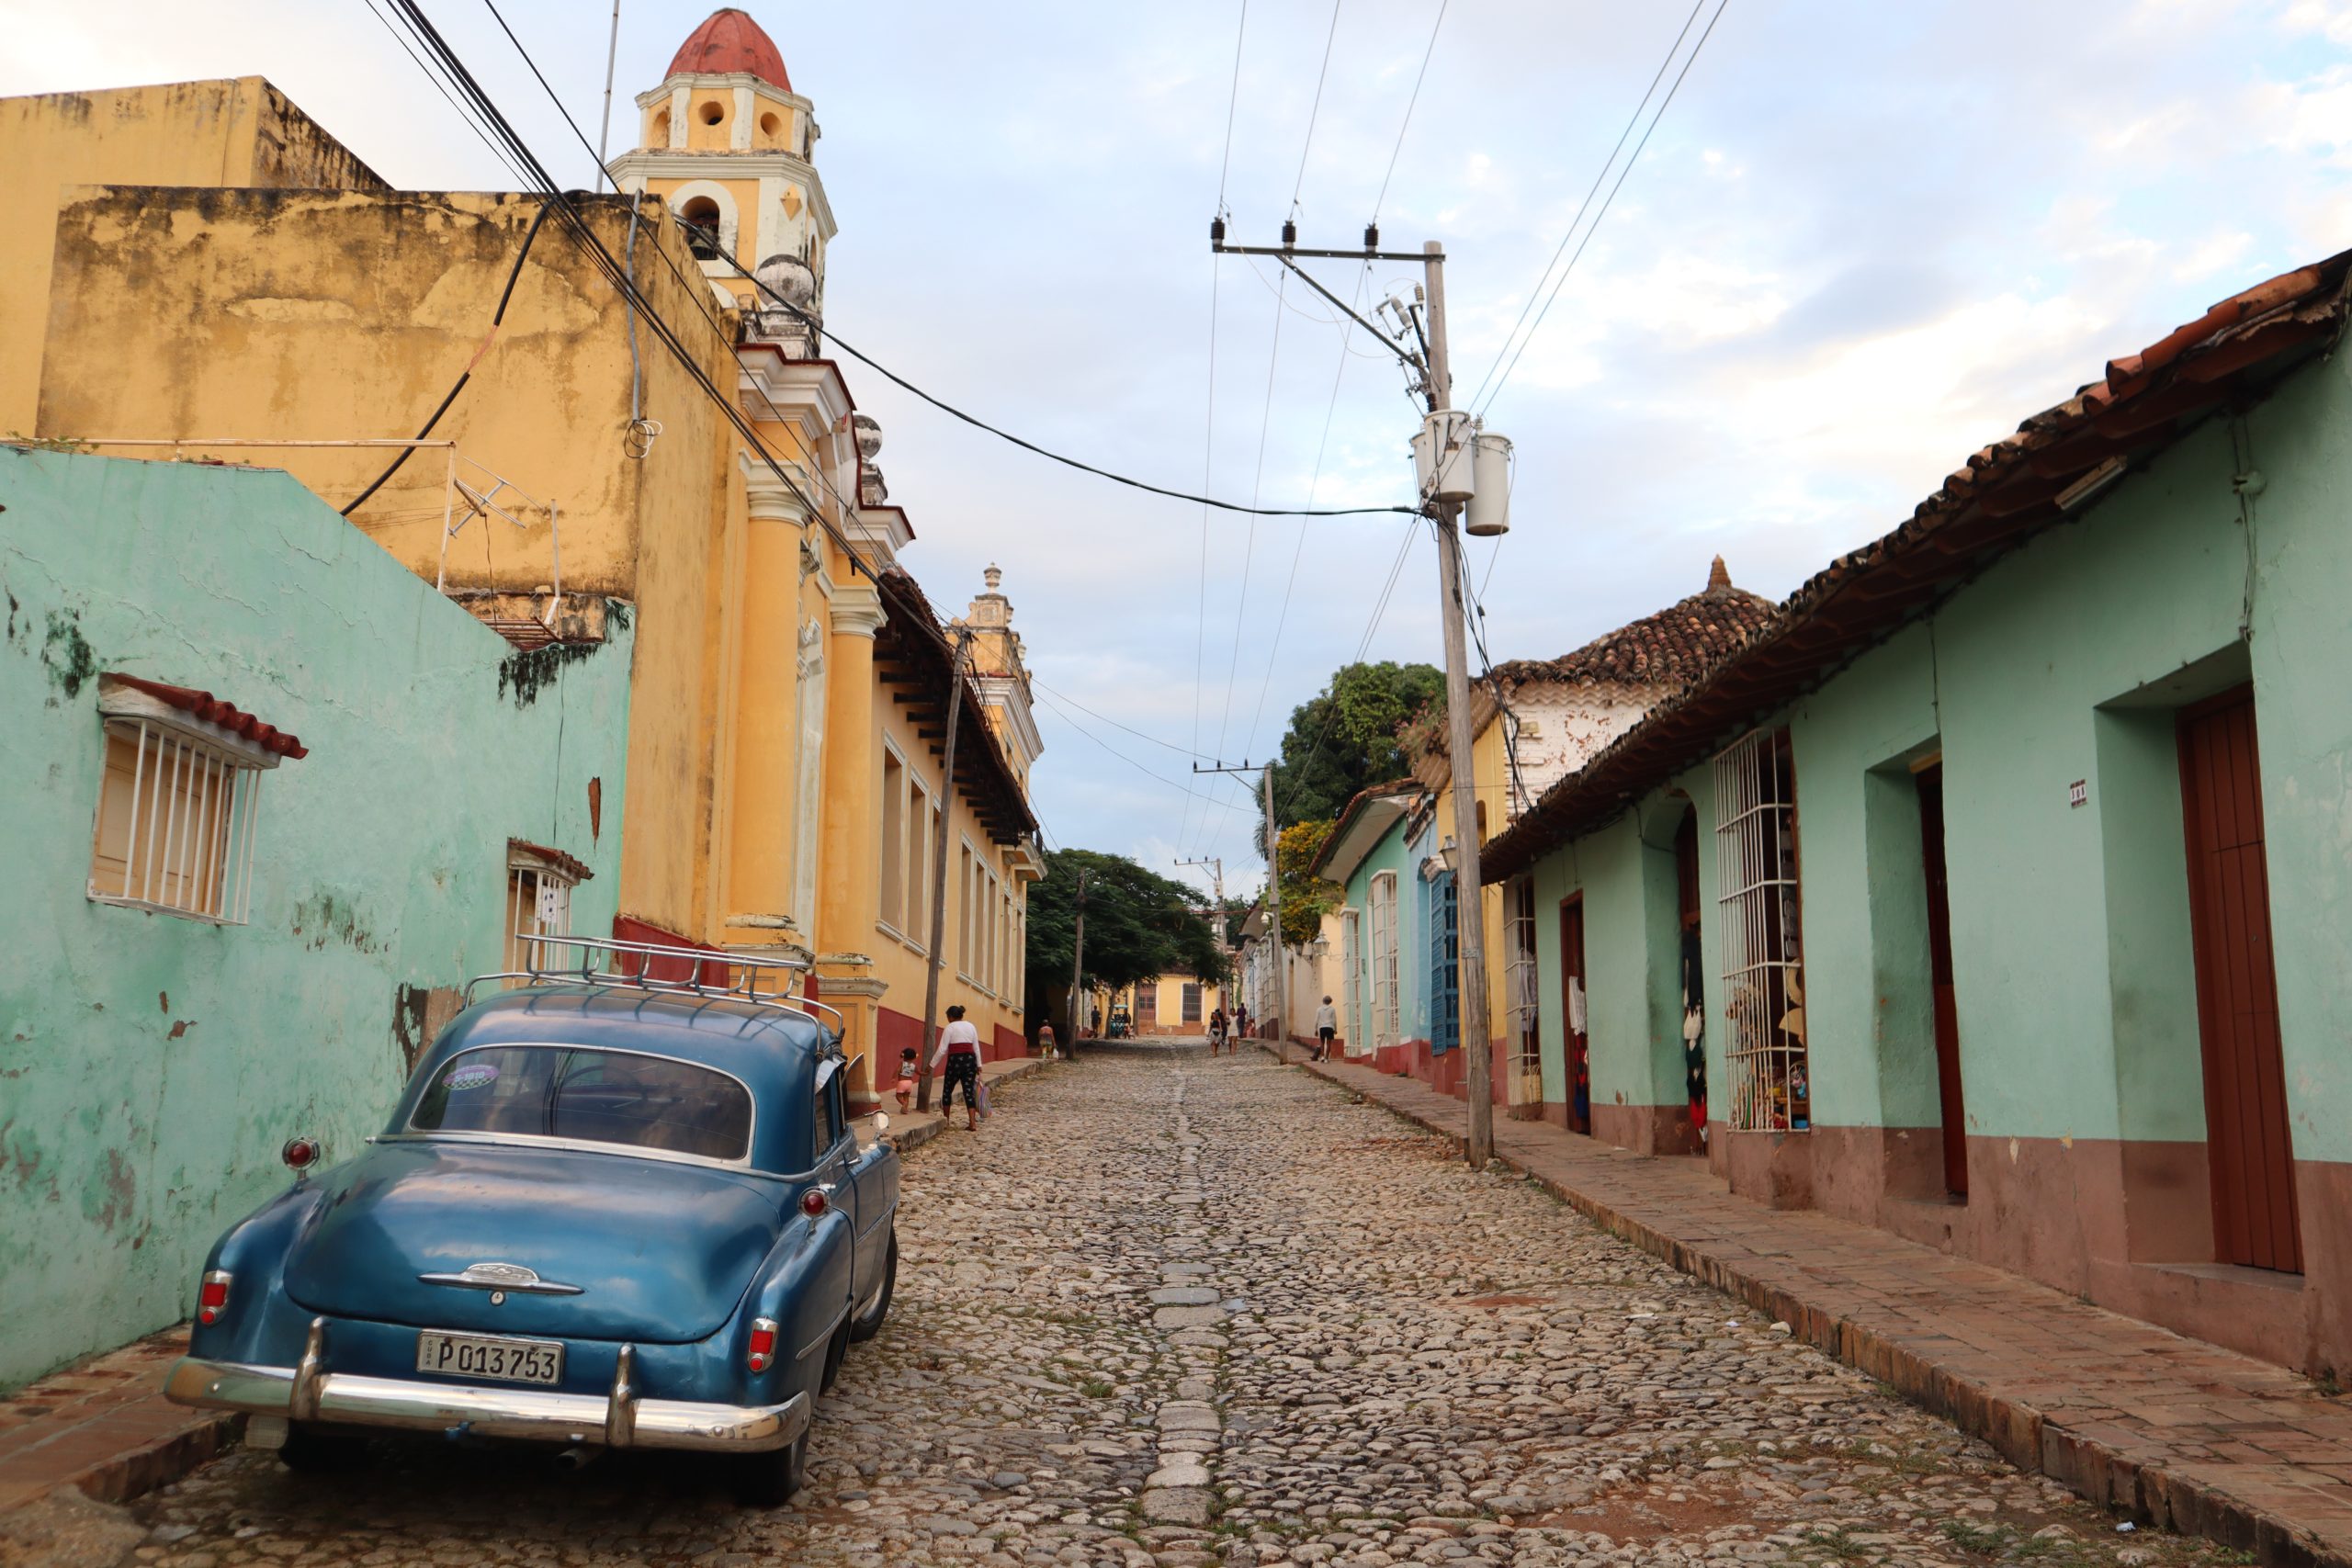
(308, 1450)
(869, 1324)
(772, 1479)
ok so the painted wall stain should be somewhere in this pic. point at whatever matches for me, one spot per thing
(67, 653)
(118, 1188)
(523, 674)
(324, 918)
(163, 1002)
(181, 1026)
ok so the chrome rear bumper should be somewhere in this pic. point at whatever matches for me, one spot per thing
(617, 1420)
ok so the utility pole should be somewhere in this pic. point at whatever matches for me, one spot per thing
(612, 54)
(934, 835)
(1077, 968)
(1216, 924)
(1437, 386)
(1470, 901)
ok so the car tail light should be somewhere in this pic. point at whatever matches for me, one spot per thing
(300, 1154)
(814, 1203)
(763, 1350)
(212, 1299)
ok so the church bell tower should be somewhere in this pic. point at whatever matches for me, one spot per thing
(730, 147)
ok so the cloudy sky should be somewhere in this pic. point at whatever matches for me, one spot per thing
(1864, 240)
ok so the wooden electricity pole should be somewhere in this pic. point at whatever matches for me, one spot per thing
(1469, 898)
(935, 833)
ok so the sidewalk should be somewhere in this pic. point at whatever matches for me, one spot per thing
(102, 1425)
(2168, 1430)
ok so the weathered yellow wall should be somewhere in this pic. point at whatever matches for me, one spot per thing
(1487, 773)
(230, 132)
(320, 316)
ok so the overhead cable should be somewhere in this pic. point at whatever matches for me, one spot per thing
(1415, 99)
(1664, 104)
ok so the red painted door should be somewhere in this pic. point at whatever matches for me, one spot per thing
(1574, 1025)
(2246, 1140)
(1930, 782)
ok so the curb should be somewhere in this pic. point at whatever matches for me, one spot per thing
(2161, 1494)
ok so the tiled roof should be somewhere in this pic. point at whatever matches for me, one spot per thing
(913, 643)
(1673, 647)
(213, 710)
(730, 42)
(2005, 494)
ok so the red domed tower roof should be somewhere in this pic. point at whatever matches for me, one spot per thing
(727, 42)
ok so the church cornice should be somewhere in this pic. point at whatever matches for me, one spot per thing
(758, 163)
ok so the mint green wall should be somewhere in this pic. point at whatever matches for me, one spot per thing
(150, 1065)
(1391, 853)
(2066, 661)
(1633, 990)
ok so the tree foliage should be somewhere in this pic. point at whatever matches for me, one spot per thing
(1138, 925)
(1362, 705)
(1306, 899)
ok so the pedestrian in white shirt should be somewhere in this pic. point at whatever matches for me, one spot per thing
(959, 1047)
(1327, 1029)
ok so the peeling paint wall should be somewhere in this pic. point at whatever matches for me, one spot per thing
(230, 132)
(150, 1065)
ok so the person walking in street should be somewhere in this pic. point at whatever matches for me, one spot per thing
(959, 1047)
(1327, 1029)
(1216, 1031)
(1046, 1042)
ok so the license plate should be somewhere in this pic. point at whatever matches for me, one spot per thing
(485, 1355)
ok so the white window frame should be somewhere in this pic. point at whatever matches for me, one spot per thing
(1761, 935)
(1385, 973)
(1520, 992)
(890, 912)
(209, 851)
(922, 830)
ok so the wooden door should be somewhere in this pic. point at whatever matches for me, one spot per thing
(2246, 1139)
(1930, 783)
(1575, 1024)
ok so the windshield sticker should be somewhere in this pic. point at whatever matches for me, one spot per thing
(471, 1076)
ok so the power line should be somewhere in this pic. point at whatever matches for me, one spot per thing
(1602, 174)
(1315, 109)
(496, 151)
(1233, 99)
(1379, 609)
(1106, 718)
(1172, 784)
(1410, 102)
(1664, 104)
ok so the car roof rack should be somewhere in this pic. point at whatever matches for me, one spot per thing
(605, 961)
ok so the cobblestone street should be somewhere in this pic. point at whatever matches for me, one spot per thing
(1176, 1310)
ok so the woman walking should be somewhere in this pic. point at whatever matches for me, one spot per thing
(959, 1047)
(1216, 1031)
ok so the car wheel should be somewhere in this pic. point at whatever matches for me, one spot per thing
(869, 1324)
(311, 1451)
(770, 1480)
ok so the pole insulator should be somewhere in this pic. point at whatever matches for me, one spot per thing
(1371, 236)
(1216, 230)
(1290, 233)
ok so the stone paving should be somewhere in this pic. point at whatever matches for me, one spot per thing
(1178, 1311)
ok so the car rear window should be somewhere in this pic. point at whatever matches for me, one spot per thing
(598, 1097)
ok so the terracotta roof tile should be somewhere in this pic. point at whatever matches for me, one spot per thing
(1673, 647)
(214, 710)
(2005, 494)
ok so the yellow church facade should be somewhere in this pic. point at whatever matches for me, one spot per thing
(791, 682)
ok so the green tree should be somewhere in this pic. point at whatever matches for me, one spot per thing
(1305, 898)
(1343, 740)
(1139, 925)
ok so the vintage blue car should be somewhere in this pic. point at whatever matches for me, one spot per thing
(610, 1211)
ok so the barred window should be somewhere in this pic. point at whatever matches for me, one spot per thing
(1756, 874)
(175, 824)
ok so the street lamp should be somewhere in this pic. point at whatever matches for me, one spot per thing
(1450, 852)
(1319, 949)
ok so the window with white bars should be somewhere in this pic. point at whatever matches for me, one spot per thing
(175, 824)
(1761, 945)
(538, 903)
(1384, 958)
(1519, 989)
(1351, 980)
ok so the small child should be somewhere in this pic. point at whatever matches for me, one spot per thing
(906, 1080)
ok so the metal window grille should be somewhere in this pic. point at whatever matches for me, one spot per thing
(1762, 953)
(539, 903)
(1192, 1002)
(1383, 959)
(1518, 986)
(176, 824)
(1351, 979)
